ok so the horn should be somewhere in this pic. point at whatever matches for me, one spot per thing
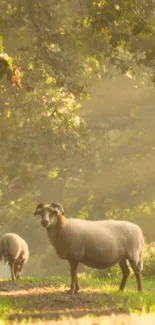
(58, 206)
(39, 206)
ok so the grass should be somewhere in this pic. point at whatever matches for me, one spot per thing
(45, 299)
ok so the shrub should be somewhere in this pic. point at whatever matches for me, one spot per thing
(149, 260)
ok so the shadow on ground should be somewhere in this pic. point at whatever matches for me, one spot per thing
(46, 302)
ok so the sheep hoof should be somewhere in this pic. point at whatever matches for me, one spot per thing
(71, 292)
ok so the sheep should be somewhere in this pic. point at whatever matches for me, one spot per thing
(15, 252)
(98, 244)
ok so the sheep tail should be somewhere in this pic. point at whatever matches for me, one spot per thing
(140, 263)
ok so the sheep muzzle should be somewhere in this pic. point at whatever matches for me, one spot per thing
(45, 223)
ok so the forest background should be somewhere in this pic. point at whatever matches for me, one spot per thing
(81, 130)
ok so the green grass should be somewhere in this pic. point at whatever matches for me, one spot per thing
(130, 300)
(8, 307)
(96, 295)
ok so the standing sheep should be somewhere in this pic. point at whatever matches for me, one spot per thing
(98, 244)
(14, 250)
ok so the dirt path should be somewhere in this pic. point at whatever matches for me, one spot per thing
(46, 304)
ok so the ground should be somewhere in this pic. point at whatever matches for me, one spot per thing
(45, 301)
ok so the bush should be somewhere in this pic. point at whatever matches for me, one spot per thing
(113, 272)
(149, 260)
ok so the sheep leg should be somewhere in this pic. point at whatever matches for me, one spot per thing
(77, 288)
(19, 271)
(18, 267)
(12, 266)
(125, 270)
(137, 272)
(74, 283)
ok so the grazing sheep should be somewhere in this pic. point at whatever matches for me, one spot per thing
(14, 250)
(98, 244)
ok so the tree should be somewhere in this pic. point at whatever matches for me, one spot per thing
(48, 150)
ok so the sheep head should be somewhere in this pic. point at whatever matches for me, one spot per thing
(50, 213)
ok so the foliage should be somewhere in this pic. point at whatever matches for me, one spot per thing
(7, 67)
(149, 261)
(95, 161)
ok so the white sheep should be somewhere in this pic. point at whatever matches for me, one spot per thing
(98, 244)
(15, 252)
